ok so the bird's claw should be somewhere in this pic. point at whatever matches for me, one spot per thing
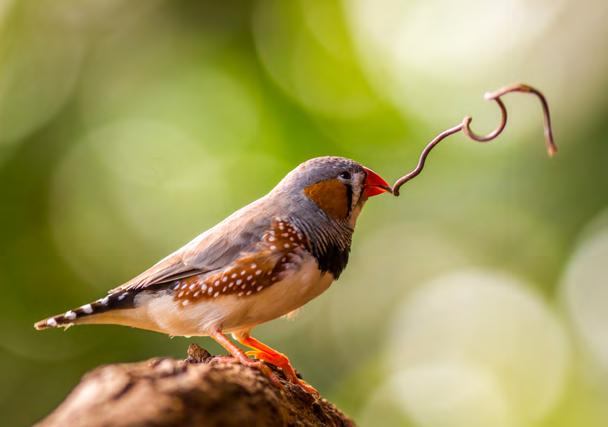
(307, 387)
(260, 366)
(287, 369)
(265, 370)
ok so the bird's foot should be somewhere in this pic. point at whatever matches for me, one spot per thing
(240, 356)
(307, 387)
(255, 364)
(282, 362)
(265, 370)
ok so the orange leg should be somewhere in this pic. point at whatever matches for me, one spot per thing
(262, 352)
(239, 355)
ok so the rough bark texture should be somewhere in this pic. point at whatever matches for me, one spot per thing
(200, 391)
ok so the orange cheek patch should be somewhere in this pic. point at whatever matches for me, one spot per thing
(330, 195)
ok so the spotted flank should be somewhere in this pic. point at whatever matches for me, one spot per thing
(279, 250)
(118, 300)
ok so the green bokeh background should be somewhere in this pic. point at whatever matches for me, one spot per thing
(127, 128)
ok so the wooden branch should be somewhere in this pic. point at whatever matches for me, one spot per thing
(202, 390)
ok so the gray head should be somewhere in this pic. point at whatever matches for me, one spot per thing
(323, 198)
(336, 185)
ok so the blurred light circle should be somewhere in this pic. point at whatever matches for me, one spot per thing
(444, 394)
(434, 59)
(38, 68)
(212, 99)
(132, 191)
(5, 7)
(306, 50)
(585, 290)
(423, 36)
(491, 322)
(383, 266)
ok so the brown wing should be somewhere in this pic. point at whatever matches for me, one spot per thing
(212, 250)
(279, 251)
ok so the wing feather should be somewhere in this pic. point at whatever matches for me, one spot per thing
(210, 251)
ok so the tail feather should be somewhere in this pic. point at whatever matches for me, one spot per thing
(113, 301)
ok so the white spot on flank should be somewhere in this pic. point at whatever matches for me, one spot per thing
(259, 288)
(254, 265)
(104, 301)
(88, 309)
(240, 294)
(176, 287)
(181, 294)
(249, 277)
(184, 286)
(217, 282)
(184, 303)
(238, 282)
(51, 322)
(225, 279)
(196, 294)
(210, 290)
(224, 288)
(233, 276)
(192, 286)
(122, 296)
(258, 272)
(273, 248)
(248, 292)
(243, 272)
(203, 287)
(286, 245)
(215, 294)
(70, 315)
(271, 239)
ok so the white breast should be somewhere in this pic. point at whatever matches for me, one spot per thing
(230, 313)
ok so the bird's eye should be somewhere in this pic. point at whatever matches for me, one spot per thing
(344, 175)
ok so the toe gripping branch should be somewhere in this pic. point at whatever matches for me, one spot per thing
(465, 127)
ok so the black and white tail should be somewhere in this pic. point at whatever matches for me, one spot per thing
(85, 313)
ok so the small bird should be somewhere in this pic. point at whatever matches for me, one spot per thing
(264, 261)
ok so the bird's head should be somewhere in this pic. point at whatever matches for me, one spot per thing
(336, 185)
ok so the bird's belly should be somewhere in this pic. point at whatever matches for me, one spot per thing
(279, 299)
(232, 312)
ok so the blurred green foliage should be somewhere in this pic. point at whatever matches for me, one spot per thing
(127, 128)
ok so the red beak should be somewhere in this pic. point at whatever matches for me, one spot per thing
(374, 184)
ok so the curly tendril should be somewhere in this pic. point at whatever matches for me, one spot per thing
(465, 127)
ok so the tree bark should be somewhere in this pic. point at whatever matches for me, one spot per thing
(202, 390)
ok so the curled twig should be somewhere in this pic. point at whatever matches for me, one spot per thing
(465, 127)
